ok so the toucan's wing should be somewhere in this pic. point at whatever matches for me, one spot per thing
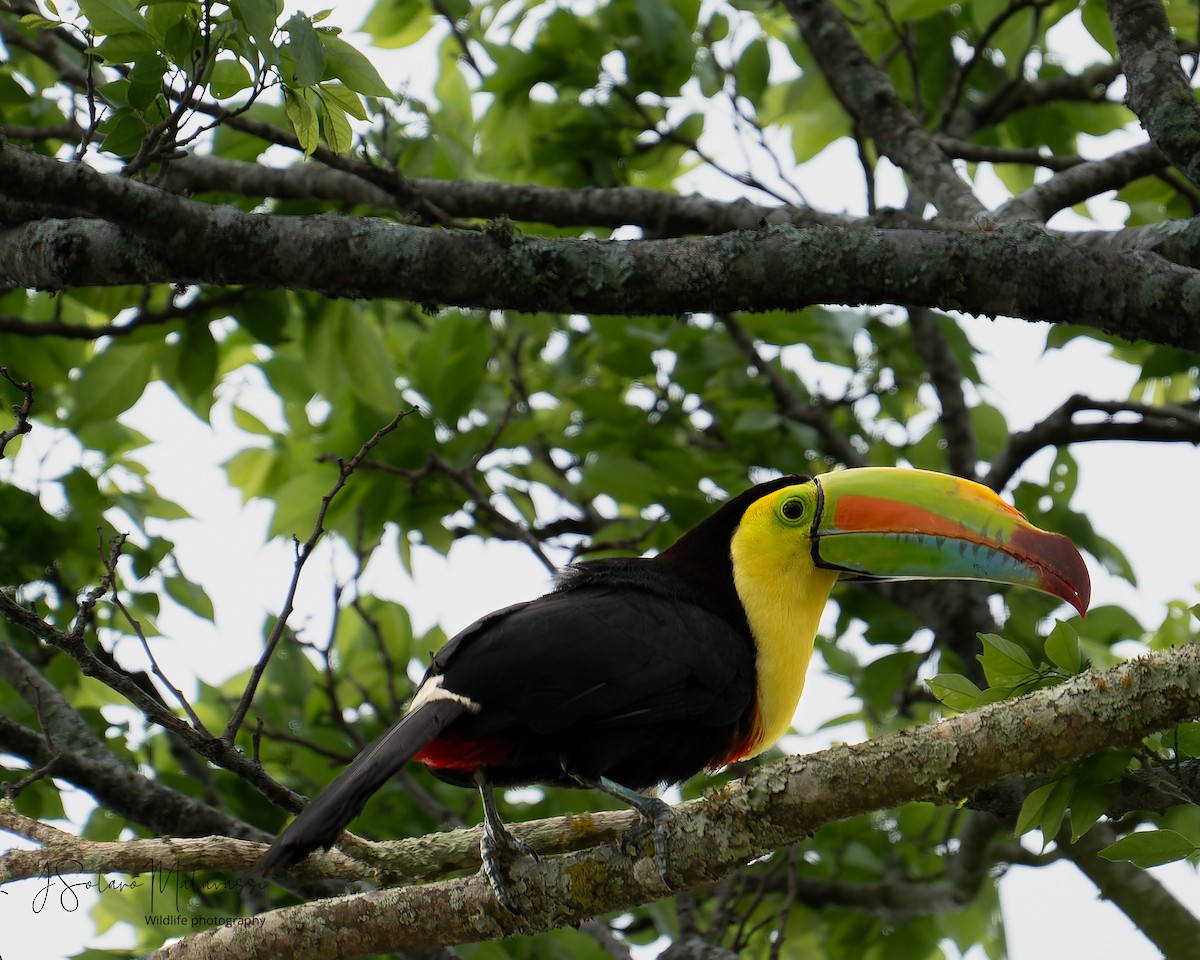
(606, 680)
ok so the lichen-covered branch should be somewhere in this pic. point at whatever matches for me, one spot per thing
(1159, 91)
(773, 806)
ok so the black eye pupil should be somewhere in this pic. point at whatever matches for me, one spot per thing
(793, 510)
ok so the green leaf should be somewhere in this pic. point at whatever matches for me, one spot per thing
(335, 128)
(229, 77)
(297, 503)
(1150, 848)
(450, 364)
(259, 16)
(112, 382)
(1004, 662)
(303, 118)
(1062, 649)
(955, 691)
(344, 97)
(249, 422)
(348, 64)
(398, 23)
(1044, 809)
(308, 53)
(369, 365)
(113, 16)
(189, 595)
(123, 133)
(1088, 805)
(752, 69)
(1187, 739)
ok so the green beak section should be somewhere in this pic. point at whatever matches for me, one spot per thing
(893, 524)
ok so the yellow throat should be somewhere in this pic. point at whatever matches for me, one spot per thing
(783, 595)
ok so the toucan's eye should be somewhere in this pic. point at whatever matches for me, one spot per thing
(792, 509)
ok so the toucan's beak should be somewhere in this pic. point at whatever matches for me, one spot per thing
(894, 524)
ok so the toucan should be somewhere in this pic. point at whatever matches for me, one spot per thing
(642, 671)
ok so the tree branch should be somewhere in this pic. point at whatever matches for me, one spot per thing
(657, 211)
(946, 376)
(788, 403)
(1166, 922)
(157, 237)
(1159, 91)
(218, 751)
(303, 552)
(773, 806)
(869, 97)
(1163, 424)
(20, 411)
(1082, 182)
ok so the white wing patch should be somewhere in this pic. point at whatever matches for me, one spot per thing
(433, 689)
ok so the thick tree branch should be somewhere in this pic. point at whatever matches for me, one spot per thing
(1159, 91)
(869, 97)
(773, 806)
(156, 237)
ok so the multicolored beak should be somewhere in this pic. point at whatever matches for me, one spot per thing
(888, 523)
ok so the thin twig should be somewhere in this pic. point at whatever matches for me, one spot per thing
(110, 564)
(20, 410)
(303, 552)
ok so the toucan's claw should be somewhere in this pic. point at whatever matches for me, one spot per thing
(498, 848)
(497, 851)
(655, 815)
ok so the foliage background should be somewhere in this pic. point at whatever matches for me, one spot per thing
(326, 346)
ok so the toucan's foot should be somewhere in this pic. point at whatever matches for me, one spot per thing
(498, 849)
(655, 816)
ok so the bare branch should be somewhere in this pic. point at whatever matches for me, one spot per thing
(195, 307)
(946, 376)
(214, 749)
(1082, 182)
(1138, 421)
(20, 410)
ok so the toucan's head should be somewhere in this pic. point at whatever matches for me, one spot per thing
(894, 524)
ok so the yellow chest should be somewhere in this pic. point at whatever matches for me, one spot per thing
(783, 596)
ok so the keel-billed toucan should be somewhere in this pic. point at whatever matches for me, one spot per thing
(643, 671)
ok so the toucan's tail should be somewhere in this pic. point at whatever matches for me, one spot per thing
(322, 821)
